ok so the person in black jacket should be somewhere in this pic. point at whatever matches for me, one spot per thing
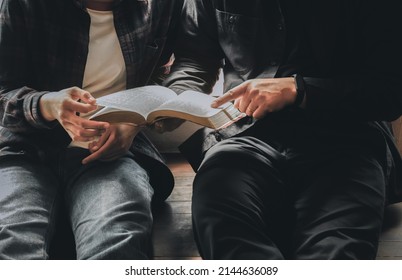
(308, 173)
(56, 58)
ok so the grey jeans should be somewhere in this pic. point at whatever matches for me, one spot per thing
(108, 204)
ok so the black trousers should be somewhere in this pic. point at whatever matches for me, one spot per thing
(291, 192)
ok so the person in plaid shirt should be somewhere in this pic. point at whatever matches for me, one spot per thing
(56, 57)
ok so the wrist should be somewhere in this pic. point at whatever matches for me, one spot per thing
(45, 108)
(300, 91)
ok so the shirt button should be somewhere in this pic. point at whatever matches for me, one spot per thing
(231, 19)
(280, 26)
(274, 63)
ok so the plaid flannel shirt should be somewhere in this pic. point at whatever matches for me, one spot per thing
(44, 47)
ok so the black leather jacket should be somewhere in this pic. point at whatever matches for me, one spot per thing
(355, 77)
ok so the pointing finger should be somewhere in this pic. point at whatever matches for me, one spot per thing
(232, 94)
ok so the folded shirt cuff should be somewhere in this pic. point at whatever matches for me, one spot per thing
(32, 111)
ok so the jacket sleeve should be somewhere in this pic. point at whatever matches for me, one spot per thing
(375, 92)
(198, 56)
(19, 104)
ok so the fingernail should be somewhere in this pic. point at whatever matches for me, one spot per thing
(95, 148)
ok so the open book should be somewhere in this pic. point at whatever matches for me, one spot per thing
(145, 105)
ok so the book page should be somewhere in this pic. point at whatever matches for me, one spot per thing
(194, 103)
(102, 111)
(141, 100)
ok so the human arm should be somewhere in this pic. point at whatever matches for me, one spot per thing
(358, 72)
(23, 107)
(358, 64)
(198, 56)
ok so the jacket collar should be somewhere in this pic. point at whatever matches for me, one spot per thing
(82, 3)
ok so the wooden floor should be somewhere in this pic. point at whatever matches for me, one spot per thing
(173, 237)
(390, 247)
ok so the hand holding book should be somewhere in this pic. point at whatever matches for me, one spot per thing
(65, 106)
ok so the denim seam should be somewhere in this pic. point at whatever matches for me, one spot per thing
(49, 227)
